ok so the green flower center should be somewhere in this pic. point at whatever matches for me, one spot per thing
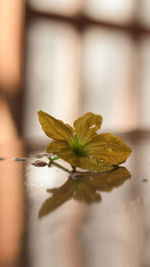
(77, 148)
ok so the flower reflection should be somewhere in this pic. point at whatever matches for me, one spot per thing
(85, 187)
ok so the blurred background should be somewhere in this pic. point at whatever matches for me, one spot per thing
(68, 57)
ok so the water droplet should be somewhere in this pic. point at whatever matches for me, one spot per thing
(145, 180)
(1, 158)
(109, 149)
(92, 127)
(40, 155)
(19, 159)
(76, 175)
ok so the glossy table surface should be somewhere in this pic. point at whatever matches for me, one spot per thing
(88, 220)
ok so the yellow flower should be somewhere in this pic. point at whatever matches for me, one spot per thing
(82, 147)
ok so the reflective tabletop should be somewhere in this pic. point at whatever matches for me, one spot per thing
(52, 217)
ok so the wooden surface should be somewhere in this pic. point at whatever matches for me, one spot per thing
(113, 232)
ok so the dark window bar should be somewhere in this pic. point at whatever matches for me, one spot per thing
(82, 21)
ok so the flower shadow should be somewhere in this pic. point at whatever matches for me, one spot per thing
(84, 187)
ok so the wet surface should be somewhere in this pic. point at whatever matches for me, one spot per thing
(49, 217)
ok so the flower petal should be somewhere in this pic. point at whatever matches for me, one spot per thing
(60, 195)
(54, 128)
(85, 193)
(86, 126)
(62, 150)
(109, 148)
(94, 164)
(108, 180)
